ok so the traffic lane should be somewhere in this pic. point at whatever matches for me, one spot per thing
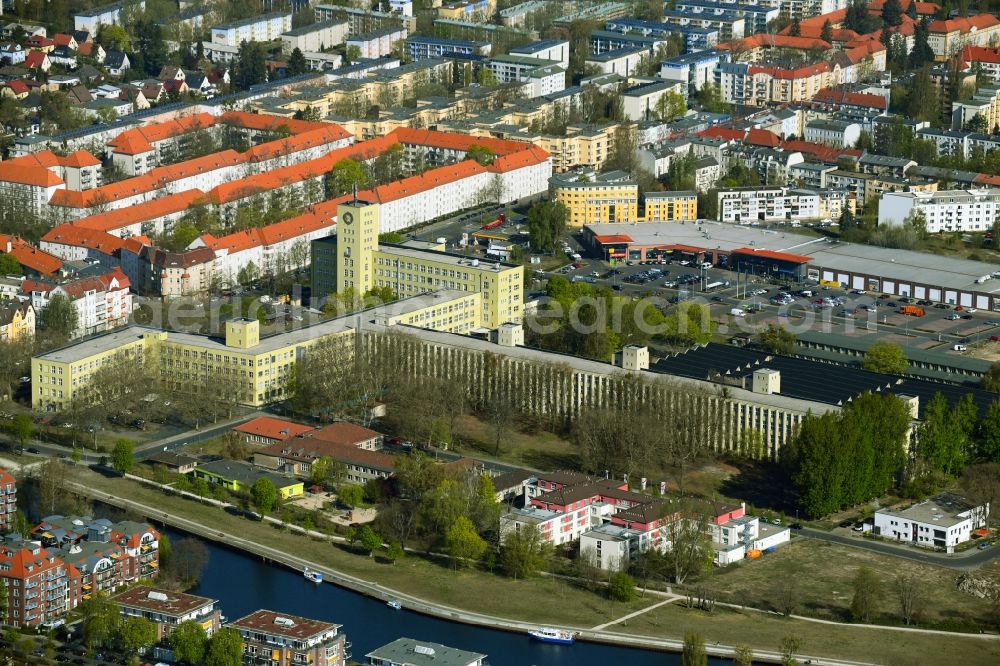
(973, 561)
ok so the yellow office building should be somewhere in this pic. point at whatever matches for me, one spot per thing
(593, 198)
(256, 370)
(677, 206)
(414, 268)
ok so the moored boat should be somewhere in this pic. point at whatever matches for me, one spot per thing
(392, 603)
(557, 636)
(314, 576)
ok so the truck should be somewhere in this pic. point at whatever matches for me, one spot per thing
(711, 286)
(496, 223)
(737, 312)
(912, 310)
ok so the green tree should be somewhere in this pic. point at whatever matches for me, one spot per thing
(101, 620)
(225, 648)
(710, 98)
(351, 495)
(369, 539)
(395, 552)
(136, 634)
(9, 265)
(200, 487)
(546, 224)
(621, 587)
(789, 647)
(693, 653)
(23, 428)
(867, 589)
(60, 316)
(943, 440)
(345, 175)
(988, 436)
(165, 552)
(777, 340)
(319, 470)
(480, 154)
(826, 34)
(523, 552)
(892, 12)
(352, 54)
(181, 237)
(991, 378)
(486, 78)
(885, 357)
(670, 105)
(122, 459)
(250, 68)
(297, 63)
(463, 543)
(188, 641)
(114, 38)
(796, 28)
(264, 494)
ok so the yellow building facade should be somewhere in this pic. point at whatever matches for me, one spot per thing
(614, 197)
(17, 320)
(254, 370)
(363, 264)
(679, 206)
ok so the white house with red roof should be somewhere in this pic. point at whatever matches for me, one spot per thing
(266, 430)
(102, 303)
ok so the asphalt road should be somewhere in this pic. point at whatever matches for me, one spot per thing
(968, 560)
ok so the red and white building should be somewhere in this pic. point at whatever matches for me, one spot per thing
(102, 303)
(40, 586)
(8, 501)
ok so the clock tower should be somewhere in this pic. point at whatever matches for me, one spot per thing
(357, 241)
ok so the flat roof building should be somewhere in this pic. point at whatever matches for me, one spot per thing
(411, 652)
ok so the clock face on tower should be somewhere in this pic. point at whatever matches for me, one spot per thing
(348, 218)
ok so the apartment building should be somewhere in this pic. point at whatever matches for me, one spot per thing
(102, 302)
(674, 206)
(840, 133)
(640, 102)
(91, 20)
(315, 37)
(986, 59)
(757, 16)
(378, 43)
(947, 38)
(693, 69)
(623, 61)
(421, 47)
(17, 321)
(34, 262)
(943, 521)
(585, 146)
(730, 23)
(289, 640)
(944, 210)
(648, 34)
(477, 11)
(363, 263)
(8, 500)
(166, 609)
(264, 28)
(591, 197)
(298, 455)
(754, 204)
(556, 50)
(161, 274)
(985, 103)
(40, 587)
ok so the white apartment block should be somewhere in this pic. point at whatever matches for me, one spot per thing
(543, 77)
(548, 49)
(266, 28)
(945, 210)
(746, 205)
(840, 133)
(314, 38)
(101, 303)
(378, 43)
(943, 521)
(91, 20)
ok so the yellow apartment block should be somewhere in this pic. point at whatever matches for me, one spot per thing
(593, 198)
(414, 268)
(583, 146)
(257, 370)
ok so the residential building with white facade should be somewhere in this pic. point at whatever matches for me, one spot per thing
(547, 49)
(944, 210)
(694, 69)
(102, 303)
(379, 43)
(943, 521)
(265, 28)
(840, 133)
(767, 204)
(315, 37)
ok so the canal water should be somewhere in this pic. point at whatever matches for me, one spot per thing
(243, 583)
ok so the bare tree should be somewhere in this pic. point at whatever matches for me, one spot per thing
(690, 551)
(910, 594)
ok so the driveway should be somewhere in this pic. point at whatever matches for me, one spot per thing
(967, 560)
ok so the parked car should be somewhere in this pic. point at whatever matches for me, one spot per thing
(846, 523)
(984, 545)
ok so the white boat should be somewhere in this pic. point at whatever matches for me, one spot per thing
(314, 576)
(392, 603)
(557, 636)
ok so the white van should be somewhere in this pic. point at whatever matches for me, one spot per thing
(706, 265)
(737, 312)
(959, 348)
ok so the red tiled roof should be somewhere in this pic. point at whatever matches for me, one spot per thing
(79, 159)
(272, 428)
(18, 87)
(35, 59)
(62, 39)
(269, 235)
(22, 562)
(771, 254)
(846, 98)
(30, 257)
(613, 238)
(20, 172)
(67, 234)
(797, 73)
(980, 54)
(762, 137)
(142, 212)
(343, 432)
(727, 133)
(777, 42)
(958, 24)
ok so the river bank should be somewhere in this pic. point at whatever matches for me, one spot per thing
(483, 599)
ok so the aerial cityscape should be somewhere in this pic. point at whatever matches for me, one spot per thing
(499, 332)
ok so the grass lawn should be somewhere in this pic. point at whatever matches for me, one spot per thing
(821, 574)
(540, 450)
(882, 646)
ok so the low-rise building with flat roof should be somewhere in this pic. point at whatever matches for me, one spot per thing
(167, 609)
(240, 476)
(289, 640)
(412, 652)
(943, 521)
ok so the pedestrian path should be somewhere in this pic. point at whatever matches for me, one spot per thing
(673, 597)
